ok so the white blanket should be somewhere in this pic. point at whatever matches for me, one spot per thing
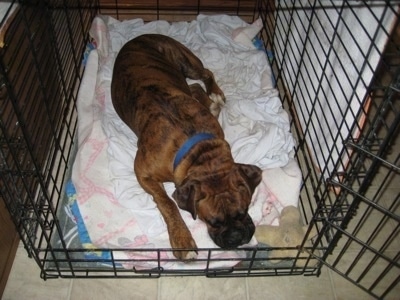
(116, 211)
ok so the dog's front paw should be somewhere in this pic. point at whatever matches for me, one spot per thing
(186, 248)
(185, 255)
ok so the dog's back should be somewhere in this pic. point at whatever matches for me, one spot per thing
(142, 71)
(151, 95)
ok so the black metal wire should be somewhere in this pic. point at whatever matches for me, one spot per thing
(35, 156)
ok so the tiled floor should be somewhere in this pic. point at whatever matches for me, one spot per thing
(25, 283)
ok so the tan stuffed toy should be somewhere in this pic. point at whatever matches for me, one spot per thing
(289, 233)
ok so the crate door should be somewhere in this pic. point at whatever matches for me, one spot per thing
(338, 63)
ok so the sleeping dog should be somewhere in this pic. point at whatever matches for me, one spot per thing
(181, 141)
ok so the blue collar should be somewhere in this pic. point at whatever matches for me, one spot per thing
(189, 145)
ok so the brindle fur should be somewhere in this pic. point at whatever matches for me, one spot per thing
(150, 94)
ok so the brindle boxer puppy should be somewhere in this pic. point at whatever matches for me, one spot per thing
(180, 141)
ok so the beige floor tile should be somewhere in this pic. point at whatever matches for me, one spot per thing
(24, 282)
(291, 287)
(371, 271)
(120, 289)
(203, 288)
(345, 290)
(372, 226)
(393, 197)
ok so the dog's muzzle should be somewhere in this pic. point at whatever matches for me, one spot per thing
(234, 236)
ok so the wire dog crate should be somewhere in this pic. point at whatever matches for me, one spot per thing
(337, 67)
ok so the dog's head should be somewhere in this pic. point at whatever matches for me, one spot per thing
(221, 201)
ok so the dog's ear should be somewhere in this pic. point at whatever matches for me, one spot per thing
(187, 195)
(252, 174)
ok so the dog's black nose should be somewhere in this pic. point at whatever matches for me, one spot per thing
(235, 237)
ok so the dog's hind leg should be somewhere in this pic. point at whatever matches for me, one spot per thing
(192, 67)
(195, 70)
(200, 95)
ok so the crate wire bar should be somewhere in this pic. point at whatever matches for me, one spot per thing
(336, 65)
